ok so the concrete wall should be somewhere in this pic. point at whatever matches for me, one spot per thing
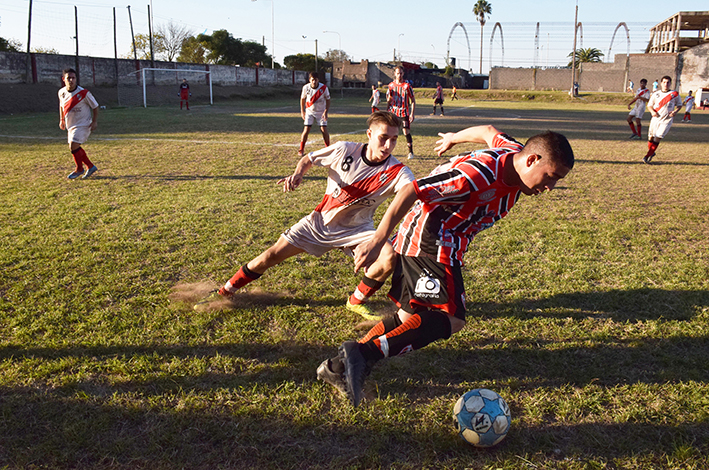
(94, 71)
(694, 69)
(602, 76)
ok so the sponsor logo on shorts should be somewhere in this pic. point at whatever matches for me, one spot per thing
(427, 286)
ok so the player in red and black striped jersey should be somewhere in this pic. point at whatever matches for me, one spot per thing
(454, 203)
(401, 101)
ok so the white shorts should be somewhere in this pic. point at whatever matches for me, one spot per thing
(659, 127)
(316, 238)
(311, 118)
(638, 112)
(79, 134)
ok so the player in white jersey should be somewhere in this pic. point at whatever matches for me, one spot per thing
(663, 104)
(361, 177)
(78, 115)
(375, 98)
(688, 105)
(314, 106)
(641, 98)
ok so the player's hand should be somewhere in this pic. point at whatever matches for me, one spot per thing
(94, 125)
(411, 119)
(291, 182)
(62, 125)
(365, 254)
(628, 106)
(445, 143)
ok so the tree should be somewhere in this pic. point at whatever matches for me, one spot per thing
(142, 46)
(481, 9)
(590, 54)
(336, 55)
(45, 50)
(222, 48)
(173, 35)
(300, 62)
(192, 51)
(430, 65)
(10, 45)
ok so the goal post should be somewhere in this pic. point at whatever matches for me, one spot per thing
(156, 85)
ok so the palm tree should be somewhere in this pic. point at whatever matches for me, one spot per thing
(481, 9)
(590, 54)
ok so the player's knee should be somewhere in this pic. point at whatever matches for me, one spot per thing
(456, 324)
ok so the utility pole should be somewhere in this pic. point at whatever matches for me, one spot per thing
(29, 37)
(150, 35)
(130, 20)
(573, 55)
(115, 46)
(316, 57)
(76, 60)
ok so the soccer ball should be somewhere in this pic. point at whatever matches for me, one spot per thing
(482, 417)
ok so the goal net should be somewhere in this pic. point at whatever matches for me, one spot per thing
(159, 87)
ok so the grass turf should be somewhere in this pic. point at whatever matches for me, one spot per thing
(588, 306)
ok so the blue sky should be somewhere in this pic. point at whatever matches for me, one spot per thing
(365, 29)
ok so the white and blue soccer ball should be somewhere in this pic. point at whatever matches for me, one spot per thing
(482, 417)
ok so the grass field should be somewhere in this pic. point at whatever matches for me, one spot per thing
(588, 306)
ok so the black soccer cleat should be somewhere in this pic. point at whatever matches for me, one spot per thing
(327, 375)
(355, 370)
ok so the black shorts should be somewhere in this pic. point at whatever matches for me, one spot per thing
(405, 124)
(419, 284)
(438, 101)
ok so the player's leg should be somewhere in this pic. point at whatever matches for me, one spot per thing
(325, 135)
(303, 139)
(276, 254)
(373, 280)
(652, 144)
(78, 136)
(639, 127)
(407, 134)
(632, 126)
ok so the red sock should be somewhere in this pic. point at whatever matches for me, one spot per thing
(239, 280)
(366, 288)
(302, 146)
(687, 116)
(80, 154)
(651, 147)
(78, 162)
(640, 127)
(632, 128)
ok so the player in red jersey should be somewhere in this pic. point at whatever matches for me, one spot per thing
(361, 177)
(641, 98)
(185, 93)
(663, 104)
(314, 107)
(401, 101)
(437, 99)
(78, 115)
(454, 203)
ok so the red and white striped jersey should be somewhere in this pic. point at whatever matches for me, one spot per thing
(356, 186)
(76, 106)
(399, 96)
(457, 201)
(315, 98)
(664, 102)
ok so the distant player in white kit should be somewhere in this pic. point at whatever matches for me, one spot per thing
(375, 98)
(361, 177)
(641, 98)
(314, 106)
(78, 115)
(688, 105)
(663, 104)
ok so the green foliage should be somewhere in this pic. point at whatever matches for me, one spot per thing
(192, 51)
(300, 62)
(142, 46)
(45, 50)
(430, 65)
(10, 45)
(222, 48)
(335, 55)
(449, 71)
(589, 54)
(481, 10)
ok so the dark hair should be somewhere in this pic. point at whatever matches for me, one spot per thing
(667, 77)
(68, 70)
(384, 117)
(553, 145)
(643, 80)
(313, 75)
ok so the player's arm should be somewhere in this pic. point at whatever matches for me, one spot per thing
(94, 119)
(62, 121)
(365, 254)
(302, 107)
(413, 106)
(327, 109)
(476, 134)
(632, 101)
(293, 181)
